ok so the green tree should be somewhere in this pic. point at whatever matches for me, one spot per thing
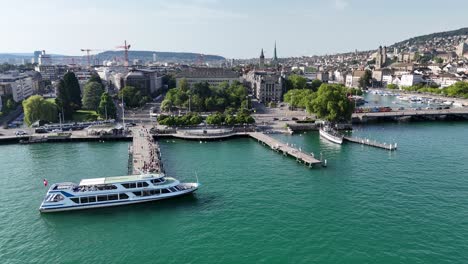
(37, 108)
(392, 86)
(332, 103)
(169, 80)
(166, 105)
(72, 86)
(297, 81)
(215, 119)
(95, 78)
(183, 85)
(230, 120)
(132, 96)
(63, 100)
(92, 95)
(10, 104)
(314, 86)
(107, 106)
(365, 80)
(438, 60)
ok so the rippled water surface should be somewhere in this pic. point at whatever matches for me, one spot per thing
(368, 206)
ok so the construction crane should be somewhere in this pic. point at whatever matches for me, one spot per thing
(87, 55)
(126, 48)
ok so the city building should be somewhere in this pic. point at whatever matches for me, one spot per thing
(20, 86)
(266, 86)
(44, 59)
(411, 79)
(37, 53)
(147, 80)
(213, 76)
(352, 80)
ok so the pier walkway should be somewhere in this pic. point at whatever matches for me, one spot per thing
(413, 113)
(276, 145)
(371, 143)
(145, 154)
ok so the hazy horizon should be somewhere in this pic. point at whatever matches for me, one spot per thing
(232, 29)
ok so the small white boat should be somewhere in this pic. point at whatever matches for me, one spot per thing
(113, 191)
(331, 135)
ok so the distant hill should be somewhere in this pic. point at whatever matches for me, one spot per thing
(160, 56)
(428, 37)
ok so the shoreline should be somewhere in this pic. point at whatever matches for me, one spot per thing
(370, 120)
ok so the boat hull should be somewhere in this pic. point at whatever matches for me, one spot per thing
(117, 202)
(332, 138)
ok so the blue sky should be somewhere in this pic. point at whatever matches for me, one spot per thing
(234, 29)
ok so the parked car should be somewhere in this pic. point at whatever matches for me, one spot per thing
(57, 130)
(284, 119)
(41, 130)
(294, 118)
(130, 124)
(20, 133)
(275, 119)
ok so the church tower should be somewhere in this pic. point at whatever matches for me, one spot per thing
(378, 59)
(262, 60)
(275, 57)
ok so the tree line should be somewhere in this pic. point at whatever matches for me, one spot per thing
(329, 102)
(202, 97)
(69, 99)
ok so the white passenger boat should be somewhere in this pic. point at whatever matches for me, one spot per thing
(331, 135)
(113, 191)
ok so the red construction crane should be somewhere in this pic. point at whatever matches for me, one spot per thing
(126, 48)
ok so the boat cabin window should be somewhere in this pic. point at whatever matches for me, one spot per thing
(92, 199)
(165, 191)
(84, 200)
(112, 197)
(151, 192)
(137, 193)
(129, 185)
(142, 184)
(102, 198)
(54, 197)
(156, 181)
(75, 200)
(123, 196)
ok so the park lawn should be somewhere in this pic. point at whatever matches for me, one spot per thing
(85, 115)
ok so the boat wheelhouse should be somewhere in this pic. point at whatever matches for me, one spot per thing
(113, 191)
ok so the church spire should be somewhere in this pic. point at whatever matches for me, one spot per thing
(275, 57)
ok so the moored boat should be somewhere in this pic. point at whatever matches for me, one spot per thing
(113, 191)
(331, 134)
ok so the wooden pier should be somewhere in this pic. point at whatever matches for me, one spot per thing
(371, 143)
(144, 153)
(287, 150)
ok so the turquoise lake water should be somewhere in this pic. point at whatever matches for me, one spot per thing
(255, 206)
